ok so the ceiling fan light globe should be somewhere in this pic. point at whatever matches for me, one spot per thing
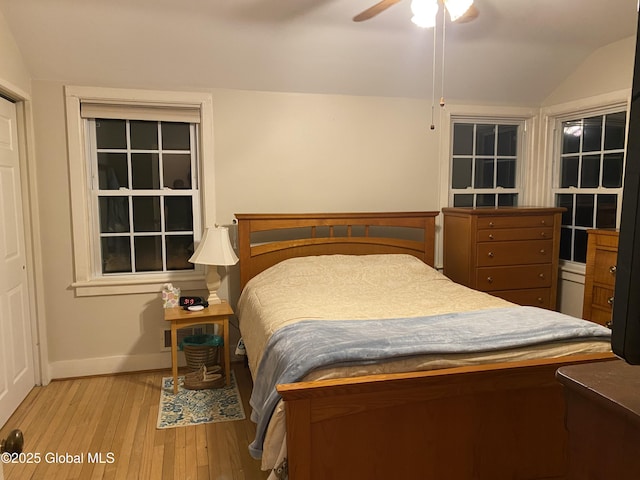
(424, 12)
(457, 8)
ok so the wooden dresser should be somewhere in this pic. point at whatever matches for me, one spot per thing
(600, 275)
(510, 252)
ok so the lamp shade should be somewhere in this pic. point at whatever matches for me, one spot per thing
(215, 248)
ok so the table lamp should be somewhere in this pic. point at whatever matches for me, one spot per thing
(214, 249)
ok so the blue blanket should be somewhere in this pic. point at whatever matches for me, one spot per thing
(297, 349)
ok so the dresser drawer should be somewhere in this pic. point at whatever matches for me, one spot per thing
(603, 298)
(605, 267)
(536, 297)
(523, 252)
(603, 317)
(508, 234)
(508, 278)
(514, 221)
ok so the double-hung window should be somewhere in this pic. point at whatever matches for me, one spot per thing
(144, 191)
(136, 162)
(485, 163)
(589, 177)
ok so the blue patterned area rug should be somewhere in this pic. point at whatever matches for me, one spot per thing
(191, 407)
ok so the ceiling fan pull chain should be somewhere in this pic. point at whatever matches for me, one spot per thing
(444, 31)
(433, 79)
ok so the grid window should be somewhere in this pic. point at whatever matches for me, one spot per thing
(144, 190)
(484, 164)
(589, 178)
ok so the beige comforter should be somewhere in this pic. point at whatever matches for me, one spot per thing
(340, 287)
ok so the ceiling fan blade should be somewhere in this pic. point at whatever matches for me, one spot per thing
(375, 10)
(469, 15)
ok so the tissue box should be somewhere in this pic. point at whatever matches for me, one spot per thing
(170, 296)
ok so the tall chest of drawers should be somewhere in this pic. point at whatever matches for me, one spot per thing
(600, 275)
(511, 253)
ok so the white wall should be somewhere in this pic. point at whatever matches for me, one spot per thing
(13, 72)
(274, 152)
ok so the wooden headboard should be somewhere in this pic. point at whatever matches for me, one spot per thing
(266, 239)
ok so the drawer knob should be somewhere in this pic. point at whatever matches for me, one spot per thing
(543, 222)
(490, 279)
(612, 269)
(491, 224)
(541, 275)
(540, 300)
(610, 300)
(543, 234)
(542, 251)
(490, 254)
(491, 236)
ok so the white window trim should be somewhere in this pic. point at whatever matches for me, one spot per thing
(86, 284)
(553, 116)
(479, 114)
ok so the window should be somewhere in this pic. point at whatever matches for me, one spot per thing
(589, 178)
(137, 162)
(144, 192)
(485, 164)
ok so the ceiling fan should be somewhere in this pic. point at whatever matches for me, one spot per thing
(424, 11)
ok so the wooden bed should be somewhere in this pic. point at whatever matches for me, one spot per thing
(494, 421)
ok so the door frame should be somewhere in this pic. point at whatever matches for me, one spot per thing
(28, 184)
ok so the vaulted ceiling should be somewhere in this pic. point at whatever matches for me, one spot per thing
(515, 52)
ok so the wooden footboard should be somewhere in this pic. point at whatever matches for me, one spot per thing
(493, 422)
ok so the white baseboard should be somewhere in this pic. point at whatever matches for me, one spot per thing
(108, 365)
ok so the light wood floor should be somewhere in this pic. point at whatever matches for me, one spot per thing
(116, 415)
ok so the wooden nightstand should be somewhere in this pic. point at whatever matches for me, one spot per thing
(217, 314)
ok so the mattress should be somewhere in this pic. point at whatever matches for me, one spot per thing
(368, 287)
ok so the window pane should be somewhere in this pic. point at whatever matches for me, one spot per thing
(176, 170)
(571, 133)
(584, 210)
(461, 175)
(116, 255)
(463, 200)
(485, 200)
(112, 171)
(145, 171)
(580, 246)
(485, 139)
(178, 213)
(146, 214)
(592, 134)
(506, 174)
(566, 200)
(569, 172)
(507, 140)
(606, 212)
(111, 133)
(566, 237)
(462, 139)
(590, 174)
(144, 135)
(179, 250)
(148, 253)
(175, 136)
(614, 131)
(612, 170)
(507, 199)
(114, 214)
(484, 173)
